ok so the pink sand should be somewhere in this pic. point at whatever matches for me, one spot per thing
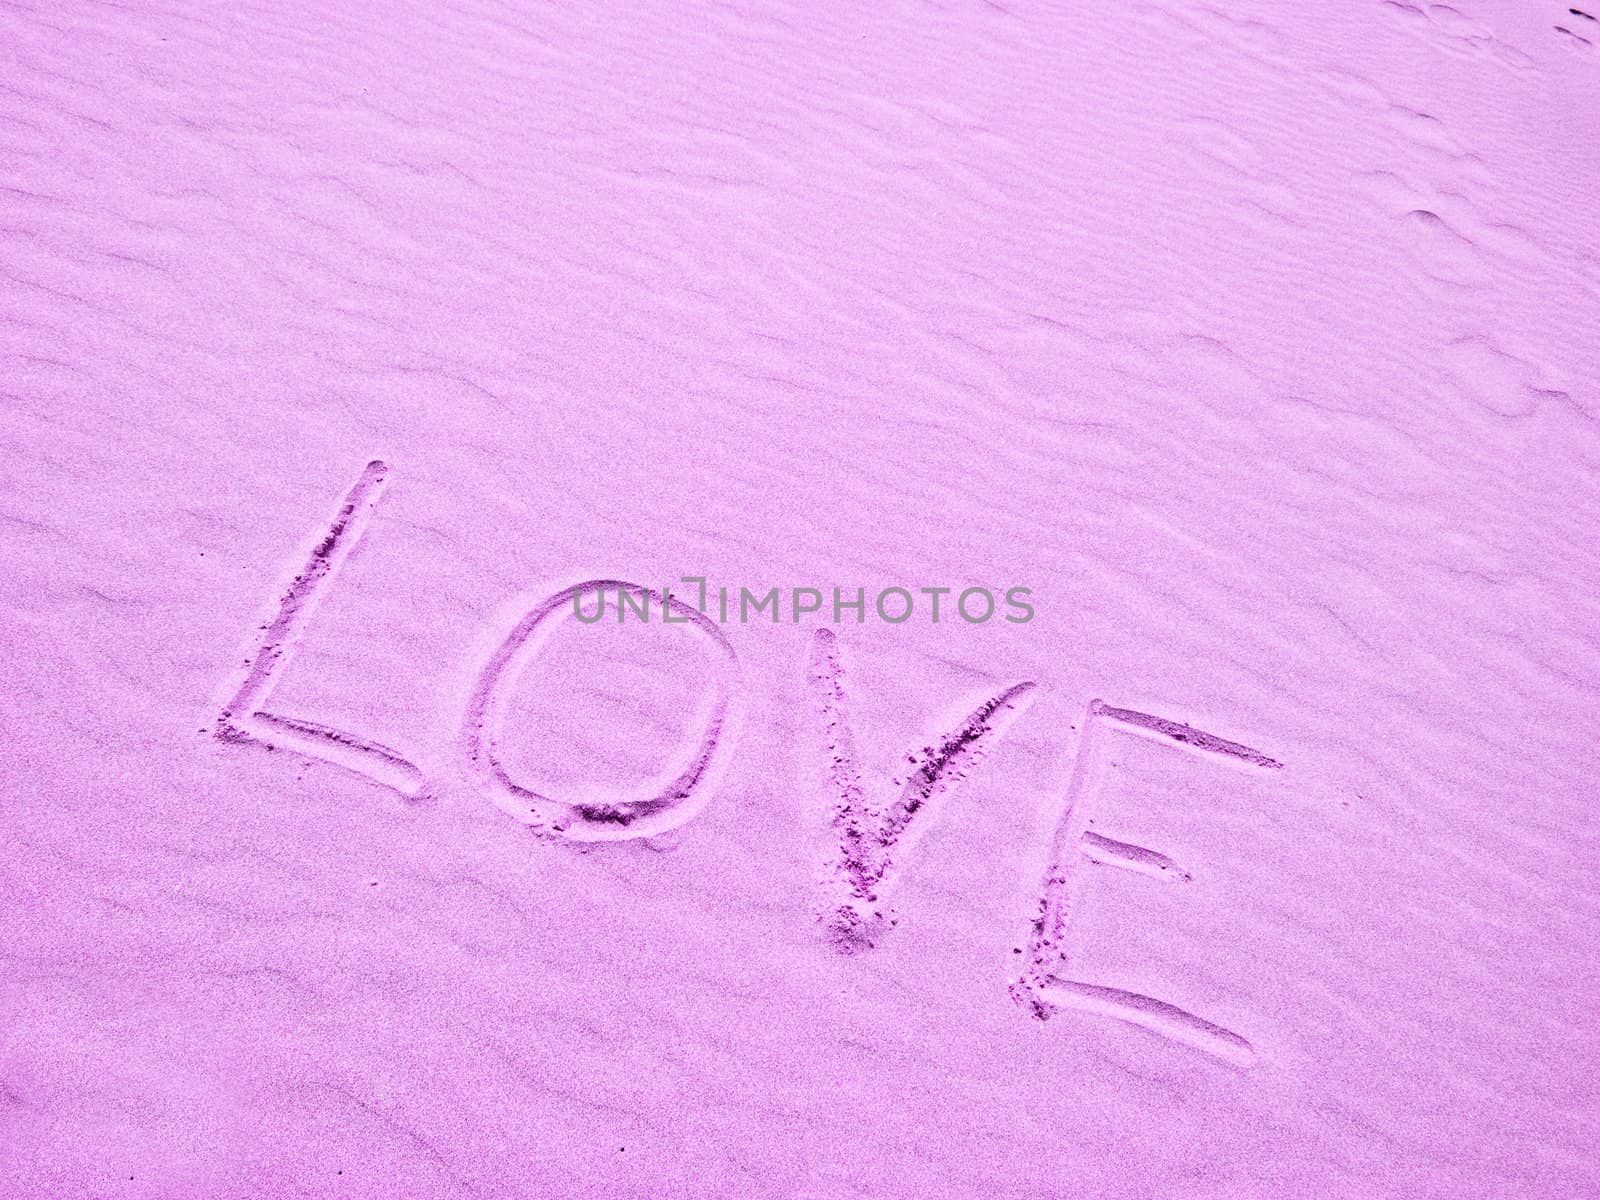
(1259, 340)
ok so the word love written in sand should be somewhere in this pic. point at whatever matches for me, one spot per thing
(868, 828)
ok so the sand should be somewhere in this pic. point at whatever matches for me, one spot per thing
(348, 347)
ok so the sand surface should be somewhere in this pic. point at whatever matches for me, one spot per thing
(346, 346)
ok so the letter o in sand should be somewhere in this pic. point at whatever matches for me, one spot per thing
(653, 810)
(988, 599)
